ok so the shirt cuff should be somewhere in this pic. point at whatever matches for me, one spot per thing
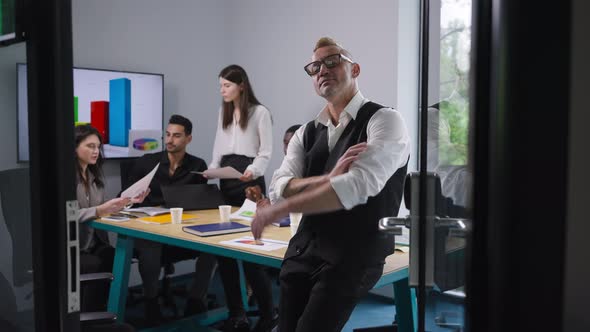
(344, 191)
(281, 184)
(252, 169)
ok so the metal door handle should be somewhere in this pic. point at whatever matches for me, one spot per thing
(393, 225)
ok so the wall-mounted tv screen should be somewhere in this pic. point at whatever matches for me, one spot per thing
(127, 109)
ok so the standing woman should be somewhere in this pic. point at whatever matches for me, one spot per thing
(96, 254)
(244, 135)
(244, 142)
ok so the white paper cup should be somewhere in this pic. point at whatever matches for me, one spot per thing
(176, 214)
(295, 218)
(224, 212)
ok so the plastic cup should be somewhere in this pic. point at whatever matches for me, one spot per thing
(224, 212)
(295, 218)
(176, 214)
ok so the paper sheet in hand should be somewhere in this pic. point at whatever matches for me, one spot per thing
(262, 244)
(140, 186)
(227, 172)
(246, 212)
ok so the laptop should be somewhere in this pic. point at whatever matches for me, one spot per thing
(193, 196)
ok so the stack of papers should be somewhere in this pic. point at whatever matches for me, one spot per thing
(115, 218)
(149, 210)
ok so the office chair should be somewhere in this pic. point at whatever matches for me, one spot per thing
(96, 317)
(16, 207)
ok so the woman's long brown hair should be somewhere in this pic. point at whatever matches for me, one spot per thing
(237, 75)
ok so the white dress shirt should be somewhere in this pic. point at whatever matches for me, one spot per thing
(254, 142)
(388, 149)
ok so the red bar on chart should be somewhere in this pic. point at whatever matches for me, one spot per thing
(99, 118)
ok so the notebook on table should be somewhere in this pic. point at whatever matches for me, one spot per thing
(193, 196)
(165, 218)
(283, 222)
(216, 228)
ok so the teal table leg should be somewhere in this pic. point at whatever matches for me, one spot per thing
(243, 285)
(405, 306)
(121, 266)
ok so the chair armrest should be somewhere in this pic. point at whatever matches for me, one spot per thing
(99, 317)
(96, 276)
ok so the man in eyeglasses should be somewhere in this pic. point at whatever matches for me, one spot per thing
(344, 171)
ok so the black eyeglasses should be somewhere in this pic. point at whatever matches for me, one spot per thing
(330, 61)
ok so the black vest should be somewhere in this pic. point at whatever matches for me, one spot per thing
(347, 236)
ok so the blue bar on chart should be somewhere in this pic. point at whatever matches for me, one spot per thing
(119, 111)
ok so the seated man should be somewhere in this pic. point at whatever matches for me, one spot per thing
(288, 135)
(175, 169)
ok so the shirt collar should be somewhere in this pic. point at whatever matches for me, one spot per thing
(165, 161)
(351, 109)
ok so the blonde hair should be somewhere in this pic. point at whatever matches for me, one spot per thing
(327, 41)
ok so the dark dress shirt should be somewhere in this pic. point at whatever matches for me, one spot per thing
(182, 174)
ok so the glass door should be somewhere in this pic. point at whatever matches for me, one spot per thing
(38, 272)
(438, 193)
(445, 179)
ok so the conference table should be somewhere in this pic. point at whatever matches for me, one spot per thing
(395, 271)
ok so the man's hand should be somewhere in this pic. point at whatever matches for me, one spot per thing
(112, 206)
(266, 214)
(344, 162)
(247, 177)
(139, 198)
(254, 193)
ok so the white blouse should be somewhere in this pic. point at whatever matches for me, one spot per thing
(254, 142)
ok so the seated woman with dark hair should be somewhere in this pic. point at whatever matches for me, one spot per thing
(96, 254)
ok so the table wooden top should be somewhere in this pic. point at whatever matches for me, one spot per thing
(394, 263)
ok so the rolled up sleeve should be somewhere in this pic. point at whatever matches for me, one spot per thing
(291, 167)
(388, 146)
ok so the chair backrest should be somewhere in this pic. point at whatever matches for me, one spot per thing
(449, 268)
(16, 207)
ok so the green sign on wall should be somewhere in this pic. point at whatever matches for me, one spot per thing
(7, 27)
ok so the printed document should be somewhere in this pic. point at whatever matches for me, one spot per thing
(140, 186)
(262, 244)
(246, 212)
(227, 172)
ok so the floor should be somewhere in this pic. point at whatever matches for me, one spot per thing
(376, 309)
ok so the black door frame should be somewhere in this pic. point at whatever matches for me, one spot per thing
(520, 103)
(48, 32)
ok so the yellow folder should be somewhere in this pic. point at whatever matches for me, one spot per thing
(165, 218)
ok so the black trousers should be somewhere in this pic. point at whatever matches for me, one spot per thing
(319, 296)
(95, 294)
(233, 189)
